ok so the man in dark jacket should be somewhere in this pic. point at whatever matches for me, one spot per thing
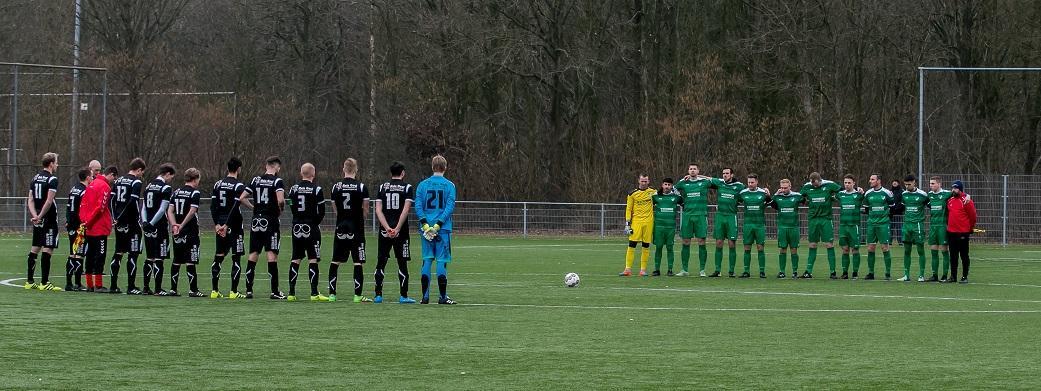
(896, 212)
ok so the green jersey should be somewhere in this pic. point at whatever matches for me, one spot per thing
(851, 206)
(787, 206)
(695, 196)
(819, 198)
(878, 201)
(726, 200)
(938, 207)
(755, 205)
(665, 208)
(915, 203)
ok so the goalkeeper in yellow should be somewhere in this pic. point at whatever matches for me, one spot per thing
(639, 224)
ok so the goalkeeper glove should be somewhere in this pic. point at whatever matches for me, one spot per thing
(425, 227)
(628, 228)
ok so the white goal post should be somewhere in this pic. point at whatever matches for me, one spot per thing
(921, 99)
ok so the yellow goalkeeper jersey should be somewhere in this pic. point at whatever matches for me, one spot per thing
(639, 207)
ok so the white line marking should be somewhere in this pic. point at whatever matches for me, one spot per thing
(768, 293)
(781, 310)
(533, 246)
(8, 282)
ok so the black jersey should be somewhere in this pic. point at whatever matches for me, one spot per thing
(350, 197)
(263, 189)
(183, 200)
(307, 201)
(72, 209)
(44, 183)
(157, 192)
(394, 194)
(126, 191)
(224, 202)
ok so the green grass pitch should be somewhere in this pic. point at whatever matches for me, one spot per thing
(520, 328)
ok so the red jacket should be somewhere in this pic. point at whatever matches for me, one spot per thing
(94, 210)
(961, 215)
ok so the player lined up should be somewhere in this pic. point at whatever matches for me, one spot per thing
(651, 219)
(101, 202)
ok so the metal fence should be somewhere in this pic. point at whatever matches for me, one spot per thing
(1009, 208)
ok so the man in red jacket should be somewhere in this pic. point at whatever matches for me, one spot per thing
(961, 219)
(97, 222)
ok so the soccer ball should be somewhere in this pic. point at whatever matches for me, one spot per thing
(571, 280)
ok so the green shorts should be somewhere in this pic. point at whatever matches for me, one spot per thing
(878, 234)
(726, 228)
(664, 236)
(787, 237)
(849, 236)
(754, 233)
(821, 230)
(938, 236)
(914, 233)
(692, 226)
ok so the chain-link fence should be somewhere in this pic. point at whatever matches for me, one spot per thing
(1009, 208)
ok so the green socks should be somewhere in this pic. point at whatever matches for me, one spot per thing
(657, 258)
(921, 260)
(782, 262)
(831, 259)
(719, 260)
(702, 257)
(685, 256)
(748, 260)
(672, 257)
(907, 259)
(812, 259)
(733, 258)
(762, 261)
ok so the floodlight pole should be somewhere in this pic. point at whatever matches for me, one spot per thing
(104, 114)
(921, 122)
(11, 150)
(73, 131)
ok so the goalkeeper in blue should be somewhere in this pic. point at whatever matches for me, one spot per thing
(435, 201)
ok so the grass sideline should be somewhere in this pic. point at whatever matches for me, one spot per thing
(520, 328)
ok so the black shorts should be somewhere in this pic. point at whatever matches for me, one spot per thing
(94, 247)
(186, 249)
(73, 251)
(233, 242)
(263, 235)
(400, 245)
(307, 241)
(157, 243)
(347, 246)
(128, 238)
(46, 235)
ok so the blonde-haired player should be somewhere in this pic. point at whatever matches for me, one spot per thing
(639, 224)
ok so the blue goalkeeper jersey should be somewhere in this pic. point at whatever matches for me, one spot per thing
(435, 201)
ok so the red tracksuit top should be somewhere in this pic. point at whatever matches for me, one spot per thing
(94, 210)
(961, 216)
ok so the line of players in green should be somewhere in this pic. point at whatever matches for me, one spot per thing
(819, 196)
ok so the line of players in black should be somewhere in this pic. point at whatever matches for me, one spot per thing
(155, 211)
